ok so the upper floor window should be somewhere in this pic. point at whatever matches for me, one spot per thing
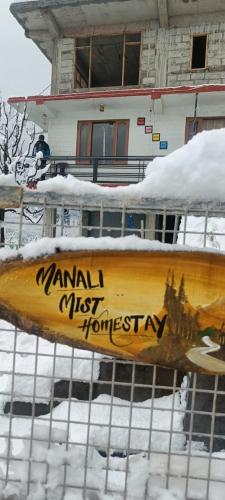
(107, 61)
(199, 51)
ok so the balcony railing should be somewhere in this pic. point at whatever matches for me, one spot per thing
(108, 170)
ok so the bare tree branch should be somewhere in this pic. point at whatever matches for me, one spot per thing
(16, 138)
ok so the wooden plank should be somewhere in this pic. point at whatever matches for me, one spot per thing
(151, 306)
(10, 196)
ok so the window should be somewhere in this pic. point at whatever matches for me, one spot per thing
(199, 44)
(193, 126)
(106, 138)
(107, 61)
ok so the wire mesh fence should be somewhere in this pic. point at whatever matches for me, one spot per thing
(80, 425)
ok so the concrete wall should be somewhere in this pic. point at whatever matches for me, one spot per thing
(165, 58)
(66, 65)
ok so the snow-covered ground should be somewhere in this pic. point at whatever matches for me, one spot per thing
(84, 444)
(32, 225)
(52, 449)
(201, 232)
(57, 442)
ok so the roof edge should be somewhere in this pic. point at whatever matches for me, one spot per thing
(154, 93)
(21, 7)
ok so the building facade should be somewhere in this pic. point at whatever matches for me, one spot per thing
(129, 78)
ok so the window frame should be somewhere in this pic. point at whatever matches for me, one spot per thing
(195, 35)
(125, 44)
(90, 136)
(200, 122)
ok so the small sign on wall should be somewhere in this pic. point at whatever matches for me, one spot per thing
(148, 129)
(163, 145)
(156, 137)
(141, 120)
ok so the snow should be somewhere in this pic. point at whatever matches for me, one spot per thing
(108, 422)
(75, 363)
(49, 246)
(193, 172)
(194, 228)
(22, 1)
(54, 446)
(143, 474)
(7, 180)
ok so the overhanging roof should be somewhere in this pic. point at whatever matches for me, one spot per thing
(41, 108)
(154, 93)
(44, 20)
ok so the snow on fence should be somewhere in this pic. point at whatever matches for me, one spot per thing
(78, 425)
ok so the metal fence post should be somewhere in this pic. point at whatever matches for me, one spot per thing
(95, 170)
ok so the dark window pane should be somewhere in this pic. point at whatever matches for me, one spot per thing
(121, 139)
(83, 42)
(82, 68)
(107, 58)
(132, 58)
(133, 37)
(102, 139)
(84, 135)
(199, 52)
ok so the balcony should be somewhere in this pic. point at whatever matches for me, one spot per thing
(108, 170)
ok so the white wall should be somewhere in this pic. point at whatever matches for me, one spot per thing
(167, 115)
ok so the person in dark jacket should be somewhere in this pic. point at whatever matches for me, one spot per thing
(43, 147)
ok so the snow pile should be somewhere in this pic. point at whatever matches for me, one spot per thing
(66, 363)
(7, 180)
(22, 1)
(114, 427)
(193, 172)
(195, 228)
(50, 461)
(57, 442)
(53, 448)
(49, 246)
(54, 461)
(107, 418)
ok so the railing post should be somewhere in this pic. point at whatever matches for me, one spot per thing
(95, 170)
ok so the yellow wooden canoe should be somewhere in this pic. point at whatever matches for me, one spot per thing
(164, 307)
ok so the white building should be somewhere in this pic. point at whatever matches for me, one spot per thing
(129, 78)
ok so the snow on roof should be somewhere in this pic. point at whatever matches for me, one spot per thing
(194, 172)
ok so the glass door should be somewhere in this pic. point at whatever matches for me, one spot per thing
(99, 139)
(103, 139)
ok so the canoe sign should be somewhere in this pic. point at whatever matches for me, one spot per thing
(152, 306)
